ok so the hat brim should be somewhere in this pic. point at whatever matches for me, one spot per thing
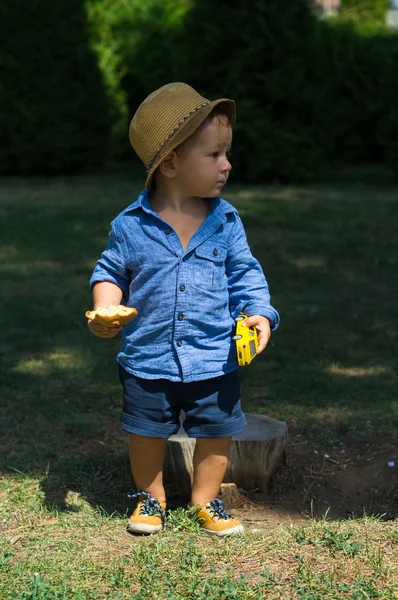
(188, 129)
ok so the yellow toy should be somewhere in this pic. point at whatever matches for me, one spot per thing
(246, 341)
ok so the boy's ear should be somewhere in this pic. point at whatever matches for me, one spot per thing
(168, 165)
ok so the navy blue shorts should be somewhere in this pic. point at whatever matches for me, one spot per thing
(151, 407)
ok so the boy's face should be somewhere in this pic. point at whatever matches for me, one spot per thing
(202, 169)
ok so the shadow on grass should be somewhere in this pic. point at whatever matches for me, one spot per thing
(330, 259)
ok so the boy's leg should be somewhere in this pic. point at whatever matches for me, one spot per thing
(210, 462)
(146, 460)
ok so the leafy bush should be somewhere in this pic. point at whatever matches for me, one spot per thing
(137, 52)
(309, 93)
(364, 9)
(359, 65)
(53, 112)
(263, 58)
(238, 55)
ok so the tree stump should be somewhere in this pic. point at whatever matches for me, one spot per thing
(255, 456)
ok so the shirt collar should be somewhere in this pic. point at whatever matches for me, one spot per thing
(218, 207)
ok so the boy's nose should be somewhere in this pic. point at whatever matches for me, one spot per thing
(227, 166)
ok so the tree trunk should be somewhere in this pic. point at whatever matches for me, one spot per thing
(256, 454)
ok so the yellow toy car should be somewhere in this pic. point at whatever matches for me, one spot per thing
(246, 341)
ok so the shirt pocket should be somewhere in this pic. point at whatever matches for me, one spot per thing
(209, 265)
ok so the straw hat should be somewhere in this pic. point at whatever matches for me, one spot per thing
(166, 118)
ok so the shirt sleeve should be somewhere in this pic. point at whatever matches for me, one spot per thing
(112, 266)
(247, 286)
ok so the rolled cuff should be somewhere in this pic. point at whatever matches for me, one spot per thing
(99, 276)
(268, 312)
(217, 430)
(147, 428)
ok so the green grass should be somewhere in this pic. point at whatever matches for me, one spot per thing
(84, 554)
(330, 255)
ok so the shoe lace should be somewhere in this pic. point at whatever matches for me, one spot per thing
(150, 506)
(217, 509)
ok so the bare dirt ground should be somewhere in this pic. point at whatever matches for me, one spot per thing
(356, 478)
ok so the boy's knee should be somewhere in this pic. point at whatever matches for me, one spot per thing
(222, 461)
(218, 448)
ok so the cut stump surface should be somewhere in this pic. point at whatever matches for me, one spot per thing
(255, 456)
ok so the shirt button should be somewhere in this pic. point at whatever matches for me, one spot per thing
(179, 343)
(168, 231)
(180, 317)
(182, 288)
(215, 252)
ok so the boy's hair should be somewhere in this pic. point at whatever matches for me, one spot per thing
(217, 114)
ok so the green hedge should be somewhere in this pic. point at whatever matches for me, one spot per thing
(243, 54)
(238, 54)
(138, 49)
(310, 93)
(53, 110)
(361, 10)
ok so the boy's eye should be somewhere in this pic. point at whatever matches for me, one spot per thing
(217, 154)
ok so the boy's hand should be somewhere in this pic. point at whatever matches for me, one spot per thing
(102, 331)
(263, 329)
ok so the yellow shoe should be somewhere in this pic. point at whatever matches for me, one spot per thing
(149, 516)
(215, 520)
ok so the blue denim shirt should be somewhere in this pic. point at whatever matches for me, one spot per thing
(186, 300)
